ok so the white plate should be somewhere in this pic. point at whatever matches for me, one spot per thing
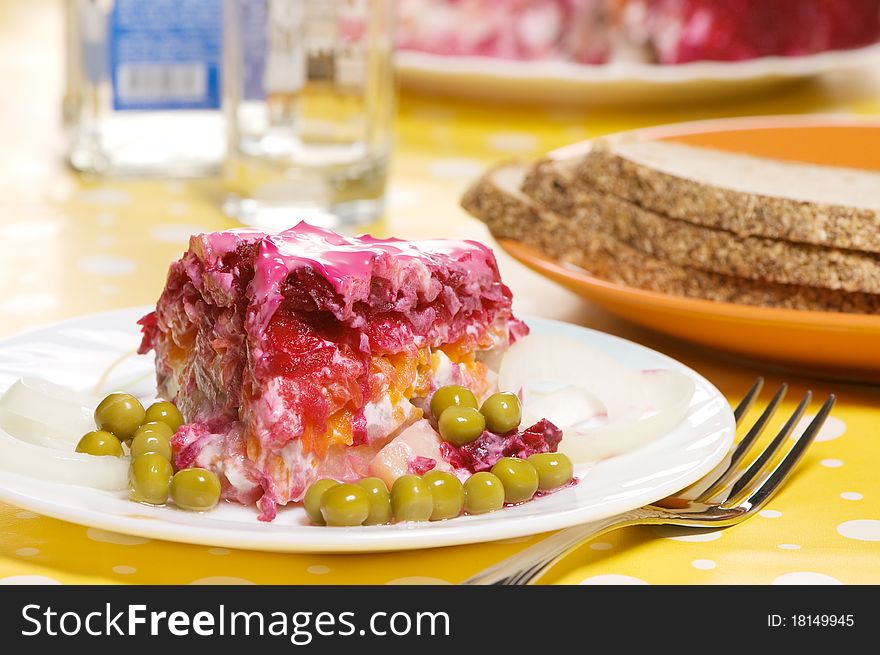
(615, 83)
(76, 352)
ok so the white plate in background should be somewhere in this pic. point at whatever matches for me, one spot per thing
(618, 83)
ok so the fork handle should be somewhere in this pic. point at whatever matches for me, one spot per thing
(526, 566)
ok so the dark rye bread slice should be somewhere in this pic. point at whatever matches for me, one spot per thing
(581, 240)
(793, 201)
(558, 186)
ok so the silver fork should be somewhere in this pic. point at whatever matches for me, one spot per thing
(724, 497)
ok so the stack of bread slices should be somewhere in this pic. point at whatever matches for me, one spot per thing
(697, 222)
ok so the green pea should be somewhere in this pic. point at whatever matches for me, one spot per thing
(461, 425)
(101, 443)
(502, 412)
(151, 440)
(164, 412)
(121, 414)
(519, 477)
(155, 427)
(380, 501)
(148, 479)
(447, 493)
(451, 396)
(483, 492)
(312, 499)
(345, 504)
(411, 499)
(195, 489)
(554, 469)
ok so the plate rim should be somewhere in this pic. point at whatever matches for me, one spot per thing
(416, 63)
(276, 539)
(776, 315)
(710, 125)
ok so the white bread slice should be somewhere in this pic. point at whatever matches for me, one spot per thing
(582, 240)
(793, 201)
(554, 185)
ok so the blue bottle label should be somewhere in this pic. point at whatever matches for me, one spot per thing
(253, 24)
(166, 54)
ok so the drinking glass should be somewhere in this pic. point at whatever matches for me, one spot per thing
(309, 100)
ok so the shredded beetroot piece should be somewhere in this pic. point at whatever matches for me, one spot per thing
(483, 453)
(420, 465)
(268, 509)
(694, 30)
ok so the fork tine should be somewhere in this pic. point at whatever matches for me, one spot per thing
(745, 444)
(761, 461)
(757, 497)
(748, 400)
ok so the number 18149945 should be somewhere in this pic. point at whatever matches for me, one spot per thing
(811, 620)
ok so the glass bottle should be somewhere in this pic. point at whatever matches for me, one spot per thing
(309, 101)
(143, 87)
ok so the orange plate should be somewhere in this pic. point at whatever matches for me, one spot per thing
(825, 340)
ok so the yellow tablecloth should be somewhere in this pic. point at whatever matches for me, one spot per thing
(69, 247)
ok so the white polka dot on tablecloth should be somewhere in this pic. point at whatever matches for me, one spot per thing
(106, 265)
(318, 569)
(704, 564)
(108, 289)
(27, 579)
(218, 551)
(123, 569)
(806, 578)
(221, 580)
(105, 219)
(612, 579)
(831, 463)
(513, 142)
(770, 513)
(687, 534)
(860, 529)
(418, 580)
(401, 196)
(106, 240)
(27, 303)
(455, 168)
(601, 545)
(177, 233)
(789, 547)
(27, 552)
(106, 537)
(178, 209)
(831, 429)
(104, 196)
(851, 495)
(30, 230)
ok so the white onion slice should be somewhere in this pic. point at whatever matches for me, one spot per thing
(45, 413)
(602, 407)
(53, 465)
(40, 425)
(567, 406)
(668, 394)
(544, 360)
(33, 432)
